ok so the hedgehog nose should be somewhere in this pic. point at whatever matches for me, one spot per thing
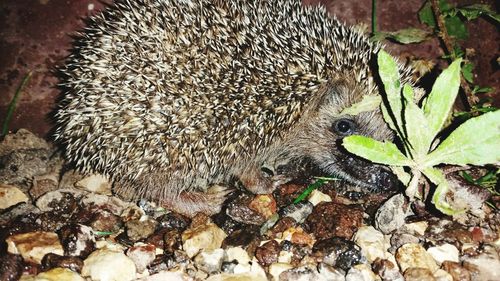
(387, 181)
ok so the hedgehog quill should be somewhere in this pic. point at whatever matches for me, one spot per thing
(171, 97)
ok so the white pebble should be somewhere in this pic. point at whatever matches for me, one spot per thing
(445, 252)
(108, 265)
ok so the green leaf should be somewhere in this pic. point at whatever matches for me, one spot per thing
(456, 27)
(474, 11)
(444, 6)
(388, 71)
(474, 142)
(368, 103)
(439, 197)
(403, 176)
(467, 72)
(427, 16)
(417, 127)
(437, 105)
(477, 90)
(408, 35)
(376, 151)
(13, 103)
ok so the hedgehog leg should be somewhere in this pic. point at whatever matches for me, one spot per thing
(191, 202)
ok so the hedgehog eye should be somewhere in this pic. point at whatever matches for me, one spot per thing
(344, 127)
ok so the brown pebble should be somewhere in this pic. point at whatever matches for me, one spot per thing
(330, 219)
(52, 260)
(268, 253)
(11, 267)
(456, 271)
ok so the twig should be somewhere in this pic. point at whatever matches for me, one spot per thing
(374, 16)
(449, 49)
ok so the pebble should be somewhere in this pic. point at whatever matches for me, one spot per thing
(418, 274)
(361, 272)
(11, 267)
(77, 240)
(298, 212)
(210, 261)
(456, 271)
(391, 215)
(264, 205)
(43, 184)
(330, 219)
(372, 242)
(51, 260)
(207, 236)
(108, 265)
(167, 275)
(330, 273)
(445, 252)
(442, 275)
(59, 274)
(140, 228)
(304, 273)
(317, 197)
(10, 196)
(484, 266)
(416, 228)
(95, 183)
(338, 252)
(32, 246)
(387, 270)
(276, 269)
(268, 253)
(142, 255)
(414, 255)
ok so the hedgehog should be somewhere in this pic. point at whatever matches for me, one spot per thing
(175, 99)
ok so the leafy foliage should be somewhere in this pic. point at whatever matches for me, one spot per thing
(418, 128)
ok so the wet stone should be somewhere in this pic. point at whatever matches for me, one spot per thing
(360, 272)
(105, 221)
(11, 267)
(140, 229)
(53, 260)
(242, 237)
(298, 212)
(10, 196)
(282, 225)
(240, 211)
(286, 193)
(300, 273)
(51, 221)
(268, 253)
(330, 219)
(338, 252)
(77, 240)
(228, 224)
(174, 220)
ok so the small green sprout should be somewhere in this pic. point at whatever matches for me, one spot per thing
(474, 142)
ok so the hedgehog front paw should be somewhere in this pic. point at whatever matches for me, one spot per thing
(262, 181)
(191, 202)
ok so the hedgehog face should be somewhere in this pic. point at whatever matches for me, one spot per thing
(330, 127)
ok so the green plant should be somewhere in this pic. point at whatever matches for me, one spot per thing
(474, 142)
(13, 103)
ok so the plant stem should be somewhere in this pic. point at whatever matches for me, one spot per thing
(449, 50)
(13, 102)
